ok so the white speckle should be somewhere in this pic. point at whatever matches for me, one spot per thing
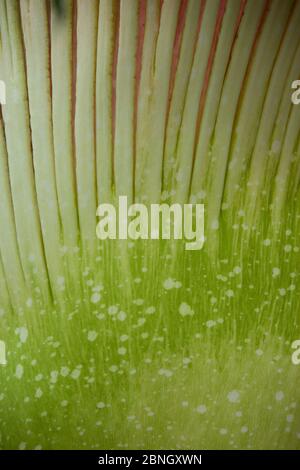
(100, 405)
(244, 429)
(229, 293)
(64, 403)
(282, 292)
(64, 371)
(223, 431)
(267, 242)
(98, 288)
(186, 360)
(23, 333)
(112, 310)
(237, 270)
(171, 284)
(122, 351)
(215, 225)
(29, 302)
(53, 376)
(38, 393)
(92, 335)
(60, 281)
(287, 248)
(201, 409)
(259, 352)
(165, 372)
(185, 310)
(290, 418)
(275, 272)
(201, 194)
(121, 316)
(210, 323)
(150, 310)
(279, 396)
(275, 146)
(233, 396)
(75, 374)
(19, 371)
(22, 445)
(95, 298)
(168, 283)
(113, 368)
(124, 338)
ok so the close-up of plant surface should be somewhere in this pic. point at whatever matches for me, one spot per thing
(137, 340)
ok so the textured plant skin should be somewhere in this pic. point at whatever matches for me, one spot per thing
(120, 344)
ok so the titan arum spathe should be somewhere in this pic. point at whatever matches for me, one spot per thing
(142, 343)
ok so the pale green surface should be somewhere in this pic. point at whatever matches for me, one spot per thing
(146, 345)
